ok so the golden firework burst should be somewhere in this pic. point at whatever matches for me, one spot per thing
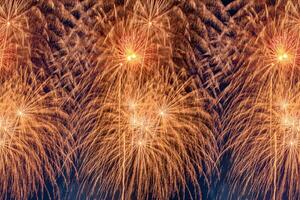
(276, 53)
(137, 43)
(266, 143)
(13, 25)
(34, 143)
(158, 132)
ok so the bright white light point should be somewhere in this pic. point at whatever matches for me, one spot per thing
(132, 105)
(133, 121)
(136, 122)
(161, 113)
(8, 23)
(141, 142)
(282, 55)
(292, 143)
(20, 113)
(288, 121)
(131, 56)
(284, 105)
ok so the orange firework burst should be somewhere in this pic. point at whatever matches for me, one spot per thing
(276, 53)
(13, 24)
(13, 21)
(137, 44)
(128, 49)
(263, 119)
(152, 16)
(266, 143)
(34, 142)
(148, 139)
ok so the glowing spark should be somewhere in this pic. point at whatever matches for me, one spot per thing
(20, 113)
(141, 142)
(288, 121)
(284, 105)
(162, 113)
(131, 56)
(283, 57)
(132, 105)
(292, 143)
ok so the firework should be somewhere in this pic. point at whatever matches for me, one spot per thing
(153, 16)
(128, 50)
(132, 46)
(277, 54)
(13, 21)
(266, 143)
(263, 117)
(13, 24)
(274, 50)
(34, 143)
(157, 132)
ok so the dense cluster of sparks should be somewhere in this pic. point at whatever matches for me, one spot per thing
(144, 130)
(266, 151)
(158, 131)
(149, 135)
(264, 118)
(13, 25)
(33, 139)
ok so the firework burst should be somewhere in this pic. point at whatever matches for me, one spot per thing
(133, 46)
(130, 50)
(266, 143)
(276, 54)
(13, 25)
(34, 142)
(153, 16)
(13, 21)
(158, 132)
(263, 118)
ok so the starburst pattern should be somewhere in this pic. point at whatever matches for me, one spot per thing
(34, 143)
(162, 131)
(263, 118)
(13, 32)
(148, 85)
(267, 145)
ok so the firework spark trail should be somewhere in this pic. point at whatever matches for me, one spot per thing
(263, 119)
(262, 126)
(167, 137)
(34, 143)
(139, 48)
(13, 31)
(131, 48)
